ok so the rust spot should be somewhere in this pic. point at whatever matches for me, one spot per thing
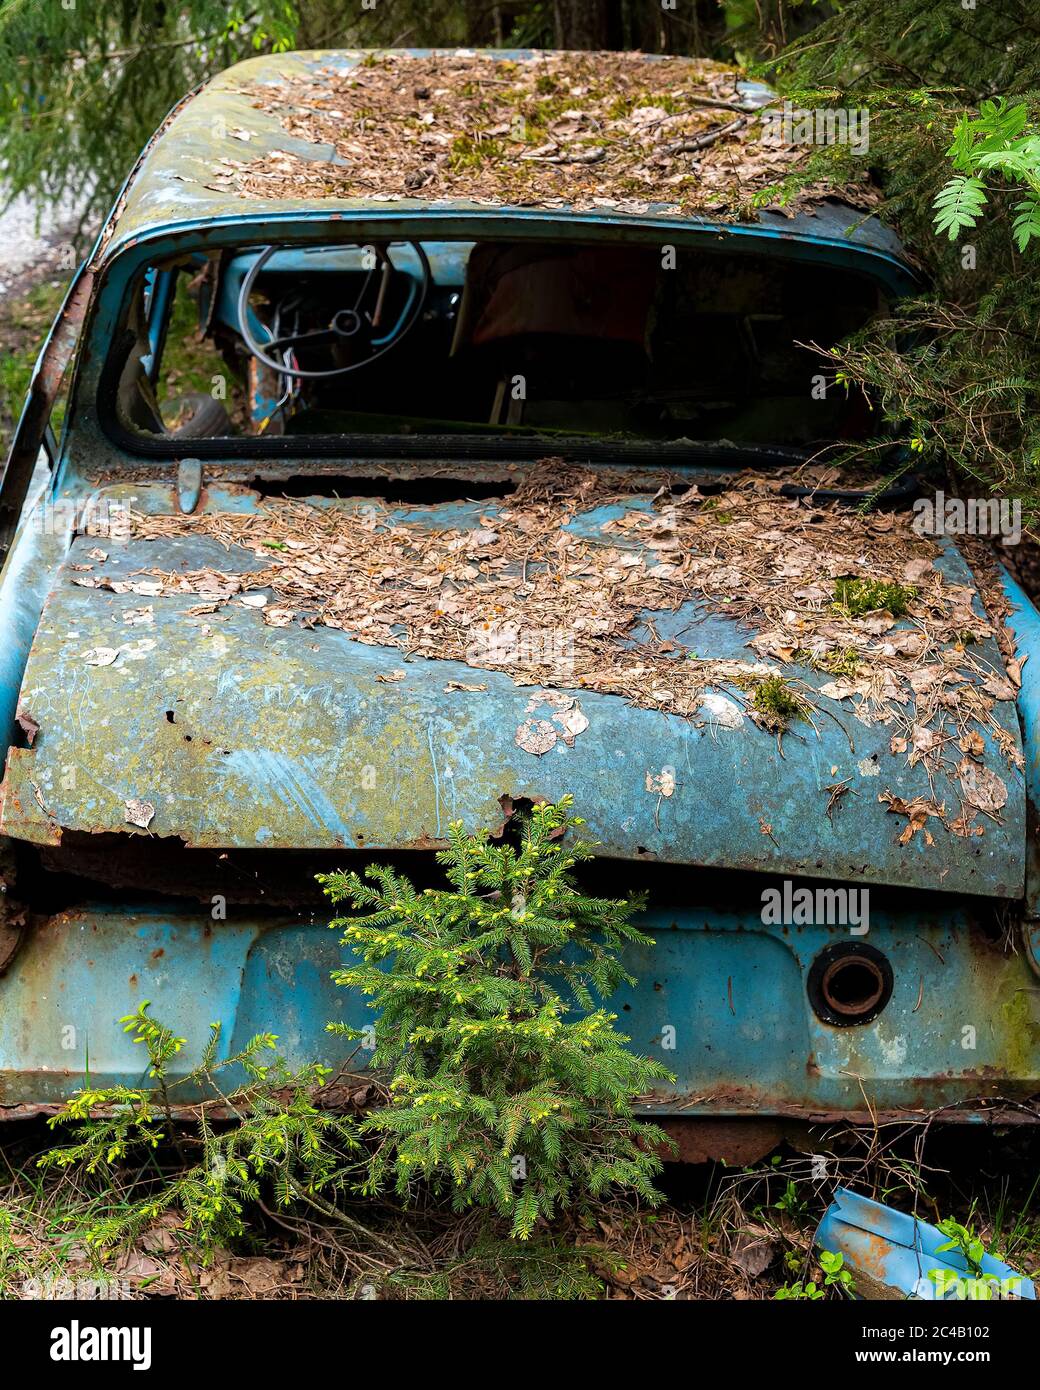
(511, 808)
(28, 725)
(872, 1257)
(736, 1141)
(158, 952)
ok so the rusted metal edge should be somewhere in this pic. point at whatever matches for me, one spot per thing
(995, 1116)
(46, 382)
(982, 1110)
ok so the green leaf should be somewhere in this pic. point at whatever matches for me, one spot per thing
(1026, 225)
(958, 205)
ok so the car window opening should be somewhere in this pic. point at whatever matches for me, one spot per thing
(489, 341)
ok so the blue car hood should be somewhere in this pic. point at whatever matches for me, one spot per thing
(220, 729)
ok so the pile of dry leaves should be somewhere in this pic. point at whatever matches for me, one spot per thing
(557, 594)
(581, 129)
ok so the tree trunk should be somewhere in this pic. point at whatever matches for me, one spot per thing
(698, 29)
(585, 23)
(483, 23)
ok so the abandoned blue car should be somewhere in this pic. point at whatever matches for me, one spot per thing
(445, 432)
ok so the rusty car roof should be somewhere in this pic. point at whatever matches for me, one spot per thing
(345, 131)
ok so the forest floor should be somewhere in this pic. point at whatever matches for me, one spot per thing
(739, 1233)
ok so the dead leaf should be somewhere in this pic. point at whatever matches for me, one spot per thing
(573, 722)
(973, 744)
(906, 642)
(159, 1237)
(101, 656)
(279, 617)
(139, 813)
(999, 688)
(661, 784)
(753, 1253)
(964, 824)
(134, 1267)
(981, 787)
(917, 813)
(925, 741)
(844, 688)
(914, 571)
(535, 736)
(138, 617)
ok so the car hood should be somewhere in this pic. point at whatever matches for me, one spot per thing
(163, 711)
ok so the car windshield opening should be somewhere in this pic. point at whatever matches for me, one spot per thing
(487, 341)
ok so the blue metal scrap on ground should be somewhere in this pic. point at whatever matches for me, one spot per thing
(282, 740)
(892, 1255)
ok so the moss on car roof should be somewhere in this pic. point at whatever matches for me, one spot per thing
(584, 131)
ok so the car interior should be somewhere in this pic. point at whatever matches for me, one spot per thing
(492, 338)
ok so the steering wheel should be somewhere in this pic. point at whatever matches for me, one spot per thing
(346, 323)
